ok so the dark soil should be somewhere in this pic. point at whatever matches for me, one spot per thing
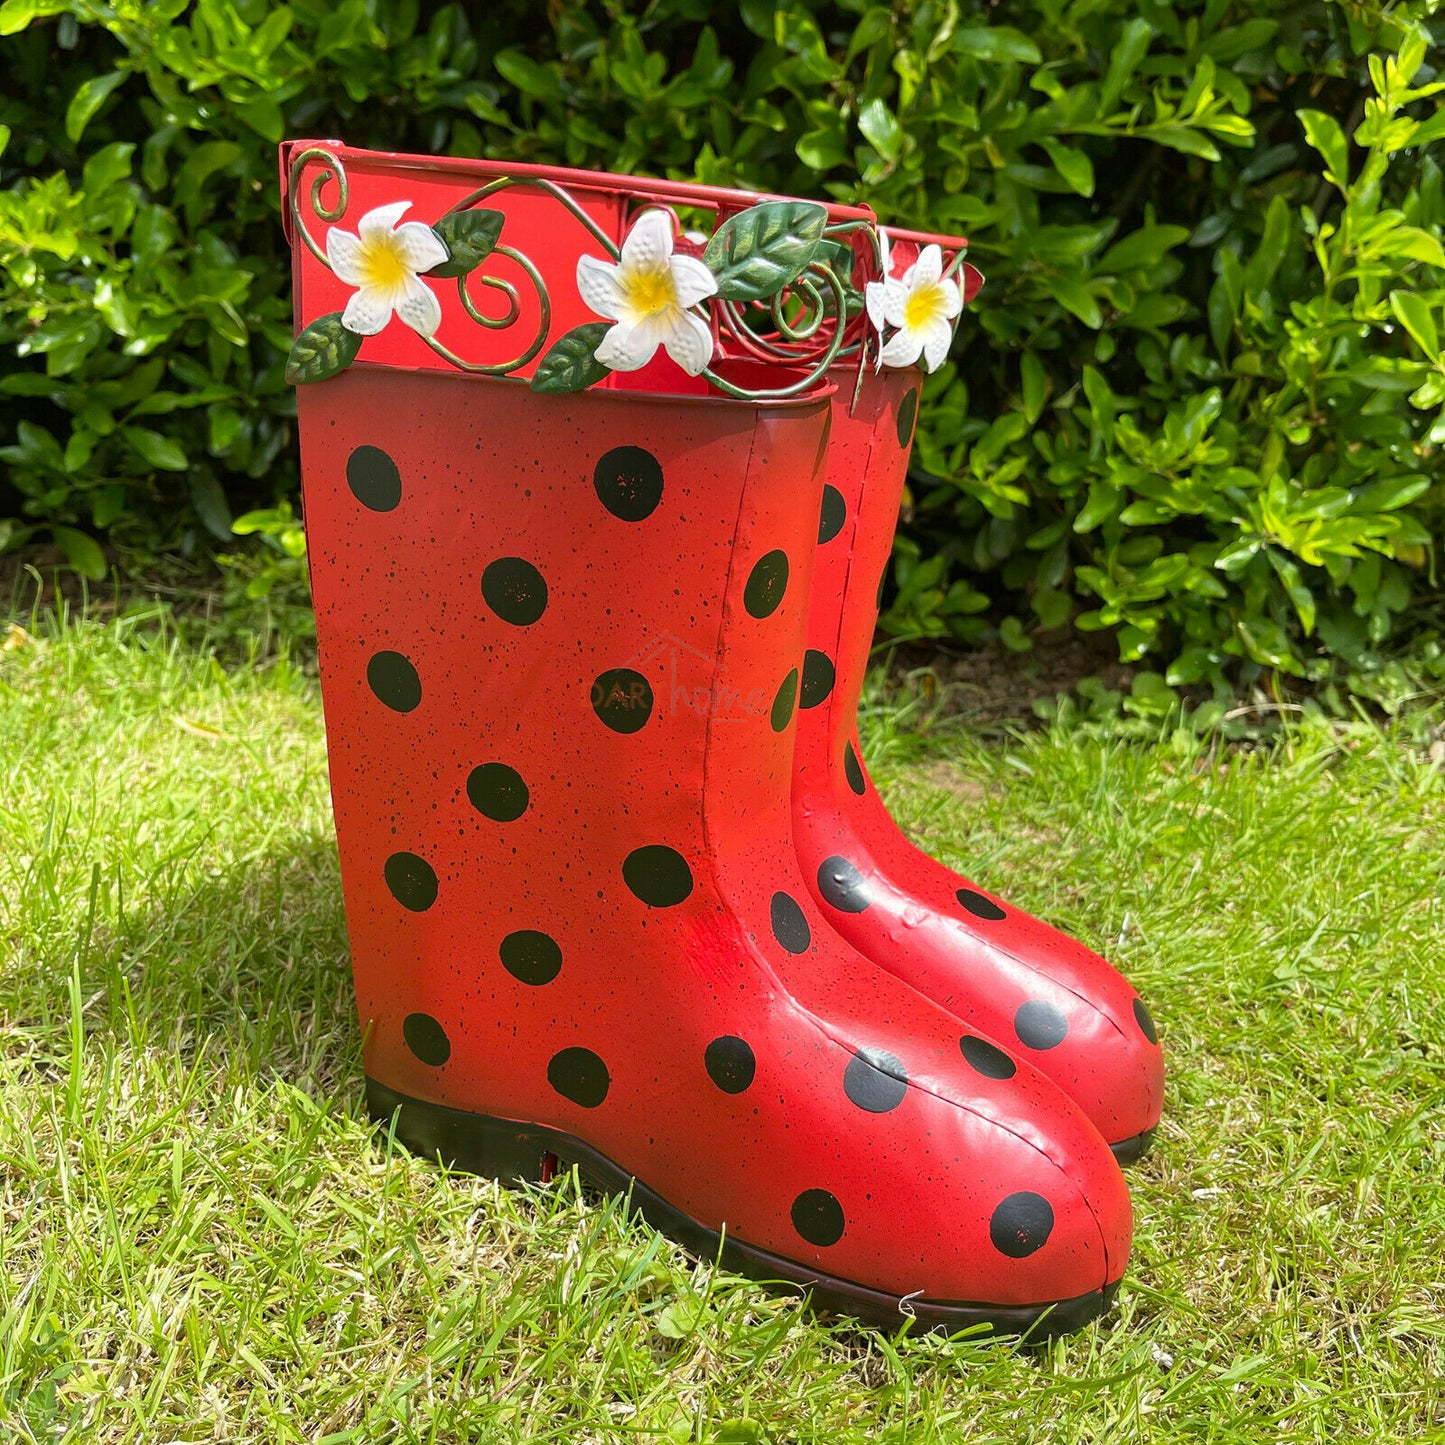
(990, 684)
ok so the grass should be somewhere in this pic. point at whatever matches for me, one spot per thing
(201, 1240)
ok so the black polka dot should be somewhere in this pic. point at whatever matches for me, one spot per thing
(730, 1063)
(412, 882)
(980, 905)
(579, 1075)
(1021, 1225)
(842, 885)
(1040, 1025)
(427, 1039)
(790, 924)
(907, 411)
(515, 591)
(394, 681)
(498, 792)
(374, 479)
(875, 1081)
(531, 957)
(833, 515)
(818, 1217)
(1145, 1020)
(622, 698)
(766, 584)
(986, 1058)
(782, 713)
(658, 875)
(818, 678)
(629, 483)
(853, 771)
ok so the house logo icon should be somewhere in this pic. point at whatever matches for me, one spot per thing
(692, 681)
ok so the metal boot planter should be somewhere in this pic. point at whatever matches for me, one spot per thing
(560, 635)
(1012, 978)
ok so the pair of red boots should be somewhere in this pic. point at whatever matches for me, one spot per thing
(619, 890)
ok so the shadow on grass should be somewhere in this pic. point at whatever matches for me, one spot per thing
(247, 965)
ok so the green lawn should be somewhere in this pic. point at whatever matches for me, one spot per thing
(201, 1241)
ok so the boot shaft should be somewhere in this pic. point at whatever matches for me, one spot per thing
(602, 595)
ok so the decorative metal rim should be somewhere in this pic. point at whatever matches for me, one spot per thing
(809, 321)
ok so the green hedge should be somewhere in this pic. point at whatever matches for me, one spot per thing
(1199, 405)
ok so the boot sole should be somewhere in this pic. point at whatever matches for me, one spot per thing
(1131, 1151)
(517, 1153)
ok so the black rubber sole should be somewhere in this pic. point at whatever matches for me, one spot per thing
(1131, 1151)
(530, 1153)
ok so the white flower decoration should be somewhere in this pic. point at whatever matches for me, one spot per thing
(647, 294)
(922, 305)
(874, 292)
(383, 261)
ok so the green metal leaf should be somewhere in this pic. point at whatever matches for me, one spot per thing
(838, 257)
(571, 363)
(758, 252)
(323, 349)
(470, 237)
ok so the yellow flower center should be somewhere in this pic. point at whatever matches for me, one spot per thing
(382, 264)
(924, 306)
(649, 292)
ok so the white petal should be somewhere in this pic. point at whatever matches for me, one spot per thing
(344, 251)
(421, 248)
(627, 347)
(419, 307)
(368, 311)
(952, 300)
(873, 299)
(928, 268)
(688, 340)
(379, 221)
(648, 246)
(887, 248)
(903, 350)
(597, 285)
(694, 282)
(895, 300)
(937, 338)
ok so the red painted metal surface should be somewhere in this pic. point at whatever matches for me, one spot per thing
(1041, 994)
(535, 225)
(560, 644)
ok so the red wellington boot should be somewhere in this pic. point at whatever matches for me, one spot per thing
(559, 640)
(1008, 976)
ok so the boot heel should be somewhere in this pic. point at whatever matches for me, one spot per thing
(474, 1143)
